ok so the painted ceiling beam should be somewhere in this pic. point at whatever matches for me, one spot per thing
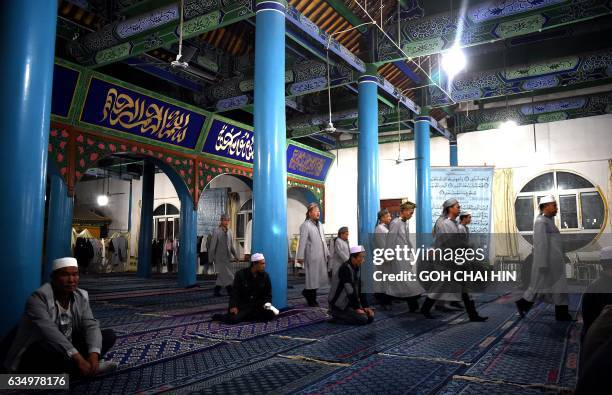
(347, 14)
(538, 112)
(307, 123)
(483, 23)
(155, 29)
(310, 29)
(567, 72)
(135, 7)
(407, 71)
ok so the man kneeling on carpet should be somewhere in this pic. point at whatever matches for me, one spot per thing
(57, 332)
(347, 304)
(251, 295)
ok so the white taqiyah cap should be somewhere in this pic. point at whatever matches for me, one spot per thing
(257, 257)
(464, 213)
(357, 249)
(61, 263)
(547, 199)
(606, 254)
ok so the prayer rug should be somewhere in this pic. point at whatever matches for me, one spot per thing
(463, 387)
(288, 319)
(275, 375)
(185, 369)
(534, 351)
(155, 350)
(361, 341)
(461, 339)
(385, 374)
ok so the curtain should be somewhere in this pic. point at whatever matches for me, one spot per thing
(233, 199)
(504, 220)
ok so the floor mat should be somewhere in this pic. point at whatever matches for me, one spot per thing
(532, 352)
(153, 350)
(275, 375)
(186, 369)
(385, 374)
(461, 339)
(288, 319)
(462, 387)
(359, 342)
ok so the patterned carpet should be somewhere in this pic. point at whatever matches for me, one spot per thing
(167, 344)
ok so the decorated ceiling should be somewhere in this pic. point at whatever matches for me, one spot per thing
(521, 51)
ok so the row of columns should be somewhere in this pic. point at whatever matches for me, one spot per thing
(26, 103)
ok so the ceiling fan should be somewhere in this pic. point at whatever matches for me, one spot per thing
(399, 141)
(329, 128)
(184, 56)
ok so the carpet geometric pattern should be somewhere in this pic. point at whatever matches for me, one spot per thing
(385, 374)
(166, 342)
(275, 375)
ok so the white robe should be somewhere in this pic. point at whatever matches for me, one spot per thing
(313, 250)
(341, 254)
(221, 259)
(547, 255)
(399, 236)
(446, 231)
(380, 241)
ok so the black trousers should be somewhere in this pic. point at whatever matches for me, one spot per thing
(256, 314)
(349, 316)
(42, 357)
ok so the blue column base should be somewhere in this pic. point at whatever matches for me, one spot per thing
(187, 272)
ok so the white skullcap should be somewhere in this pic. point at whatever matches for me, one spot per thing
(547, 199)
(257, 257)
(465, 213)
(61, 263)
(606, 254)
(357, 249)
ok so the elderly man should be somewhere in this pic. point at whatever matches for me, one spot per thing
(380, 241)
(347, 304)
(399, 237)
(313, 253)
(222, 253)
(548, 268)
(341, 250)
(57, 332)
(448, 236)
(251, 295)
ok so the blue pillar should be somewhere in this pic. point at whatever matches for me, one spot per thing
(270, 161)
(145, 237)
(59, 222)
(454, 160)
(368, 200)
(423, 178)
(27, 38)
(187, 270)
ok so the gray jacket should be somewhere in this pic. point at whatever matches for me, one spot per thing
(38, 322)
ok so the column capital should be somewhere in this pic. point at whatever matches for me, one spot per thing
(370, 73)
(270, 5)
(424, 112)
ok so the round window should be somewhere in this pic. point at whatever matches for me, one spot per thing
(581, 214)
